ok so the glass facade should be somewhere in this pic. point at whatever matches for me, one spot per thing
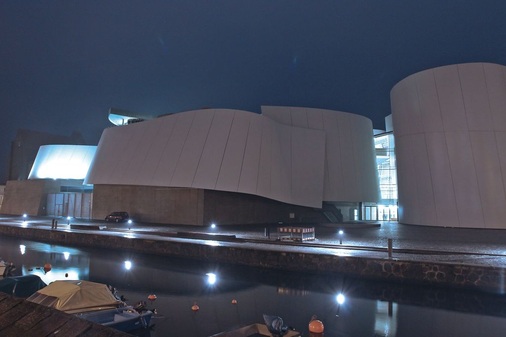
(386, 209)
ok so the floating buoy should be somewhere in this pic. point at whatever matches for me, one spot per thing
(234, 301)
(47, 267)
(316, 326)
(195, 307)
(152, 297)
(66, 274)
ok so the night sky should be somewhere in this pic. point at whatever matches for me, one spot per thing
(64, 63)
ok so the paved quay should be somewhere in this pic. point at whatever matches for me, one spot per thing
(468, 258)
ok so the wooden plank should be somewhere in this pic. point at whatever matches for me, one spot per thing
(21, 318)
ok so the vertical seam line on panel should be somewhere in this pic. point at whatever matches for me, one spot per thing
(447, 150)
(472, 150)
(155, 137)
(260, 154)
(503, 77)
(203, 147)
(492, 119)
(244, 153)
(495, 136)
(225, 151)
(139, 171)
(182, 147)
(424, 133)
(167, 141)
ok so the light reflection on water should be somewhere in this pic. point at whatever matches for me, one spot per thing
(229, 297)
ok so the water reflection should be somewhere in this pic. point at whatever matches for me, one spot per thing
(231, 296)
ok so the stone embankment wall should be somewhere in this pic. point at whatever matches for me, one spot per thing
(386, 269)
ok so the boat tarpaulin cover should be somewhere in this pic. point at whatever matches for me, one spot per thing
(73, 296)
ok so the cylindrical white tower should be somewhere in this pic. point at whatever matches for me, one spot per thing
(450, 133)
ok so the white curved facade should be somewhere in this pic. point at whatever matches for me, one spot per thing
(350, 160)
(450, 132)
(240, 151)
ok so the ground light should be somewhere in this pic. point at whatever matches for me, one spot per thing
(341, 233)
(128, 265)
(211, 278)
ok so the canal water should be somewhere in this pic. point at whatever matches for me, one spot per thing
(229, 296)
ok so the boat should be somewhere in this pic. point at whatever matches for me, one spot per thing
(273, 327)
(21, 286)
(256, 330)
(93, 301)
(6, 269)
(125, 318)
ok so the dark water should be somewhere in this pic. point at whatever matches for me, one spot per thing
(369, 308)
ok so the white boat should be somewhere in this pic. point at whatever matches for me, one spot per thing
(92, 301)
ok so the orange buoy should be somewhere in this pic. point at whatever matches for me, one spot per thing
(316, 326)
(234, 301)
(47, 267)
(195, 307)
(152, 297)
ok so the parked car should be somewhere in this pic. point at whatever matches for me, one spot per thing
(117, 217)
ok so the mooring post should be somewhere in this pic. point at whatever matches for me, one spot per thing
(389, 247)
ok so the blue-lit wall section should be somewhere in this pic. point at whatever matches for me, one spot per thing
(62, 162)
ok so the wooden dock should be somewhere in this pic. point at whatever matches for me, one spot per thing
(21, 318)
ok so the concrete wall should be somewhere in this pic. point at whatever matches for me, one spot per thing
(226, 208)
(182, 206)
(186, 206)
(450, 135)
(27, 196)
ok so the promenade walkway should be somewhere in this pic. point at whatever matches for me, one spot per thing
(453, 245)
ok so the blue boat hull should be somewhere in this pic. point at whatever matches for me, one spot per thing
(125, 319)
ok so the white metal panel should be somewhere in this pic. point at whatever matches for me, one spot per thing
(450, 98)
(334, 186)
(230, 171)
(265, 159)
(490, 178)
(429, 102)
(475, 95)
(315, 119)
(501, 153)
(249, 172)
(423, 179)
(441, 181)
(408, 197)
(192, 149)
(158, 133)
(496, 87)
(171, 153)
(135, 156)
(346, 164)
(299, 117)
(98, 168)
(307, 168)
(281, 162)
(115, 155)
(280, 114)
(214, 148)
(464, 178)
(401, 106)
(365, 157)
